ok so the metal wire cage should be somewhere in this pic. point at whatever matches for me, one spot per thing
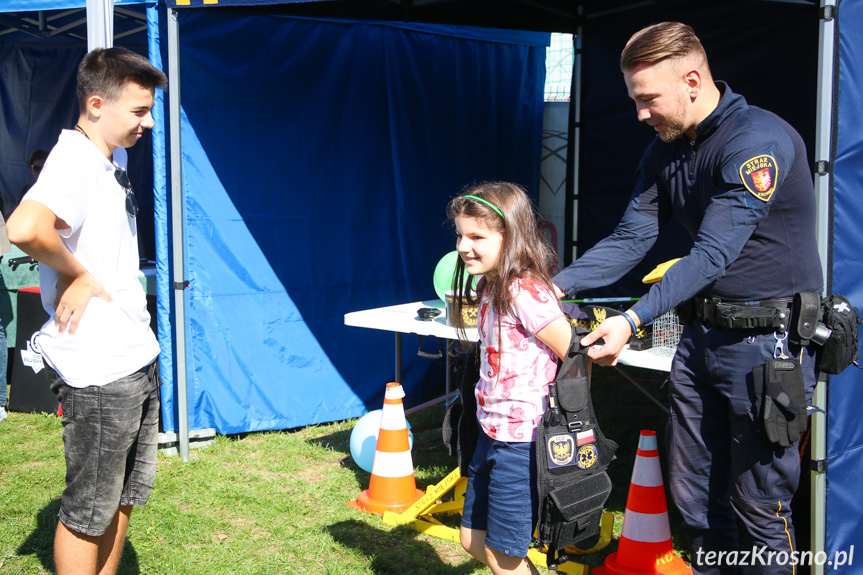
(666, 333)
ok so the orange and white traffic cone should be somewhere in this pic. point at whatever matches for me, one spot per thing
(645, 540)
(392, 486)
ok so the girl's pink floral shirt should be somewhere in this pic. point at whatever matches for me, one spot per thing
(515, 366)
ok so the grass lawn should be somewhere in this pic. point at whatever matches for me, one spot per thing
(275, 502)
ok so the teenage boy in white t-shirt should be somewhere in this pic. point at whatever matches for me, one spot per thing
(78, 221)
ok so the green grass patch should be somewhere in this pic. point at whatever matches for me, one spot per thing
(275, 502)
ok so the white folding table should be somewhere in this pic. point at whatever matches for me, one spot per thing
(403, 318)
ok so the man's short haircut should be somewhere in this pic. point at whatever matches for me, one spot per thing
(106, 71)
(664, 41)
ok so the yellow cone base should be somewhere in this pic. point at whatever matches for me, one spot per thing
(365, 503)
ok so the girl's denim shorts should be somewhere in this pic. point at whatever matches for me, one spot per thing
(501, 497)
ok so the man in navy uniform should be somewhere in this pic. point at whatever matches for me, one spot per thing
(738, 178)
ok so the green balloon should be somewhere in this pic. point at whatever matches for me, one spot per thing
(444, 272)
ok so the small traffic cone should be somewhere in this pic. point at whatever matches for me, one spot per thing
(392, 486)
(645, 540)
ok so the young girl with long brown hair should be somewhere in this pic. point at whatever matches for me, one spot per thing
(522, 333)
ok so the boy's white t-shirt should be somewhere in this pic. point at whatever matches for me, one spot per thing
(114, 338)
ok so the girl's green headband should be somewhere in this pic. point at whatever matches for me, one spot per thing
(488, 203)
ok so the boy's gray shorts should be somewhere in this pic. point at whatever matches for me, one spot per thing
(110, 433)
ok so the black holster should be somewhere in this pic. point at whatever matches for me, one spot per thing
(572, 455)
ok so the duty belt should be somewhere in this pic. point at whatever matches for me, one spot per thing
(769, 313)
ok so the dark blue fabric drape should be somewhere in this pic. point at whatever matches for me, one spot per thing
(612, 139)
(37, 100)
(318, 159)
(845, 392)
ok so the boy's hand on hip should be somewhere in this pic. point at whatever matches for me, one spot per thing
(73, 295)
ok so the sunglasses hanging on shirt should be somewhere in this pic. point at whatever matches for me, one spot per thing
(123, 179)
(131, 203)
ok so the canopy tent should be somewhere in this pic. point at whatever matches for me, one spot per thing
(313, 187)
(756, 46)
(608, 140)
(504, 62)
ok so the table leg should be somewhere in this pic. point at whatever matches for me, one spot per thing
(398, 357)
(448, 378)
(640, 388)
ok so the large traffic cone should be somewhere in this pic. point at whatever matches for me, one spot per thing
(645, 540)
(392, 486)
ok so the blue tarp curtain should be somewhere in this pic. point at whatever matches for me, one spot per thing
(318, 158)
(250, 3)
(845, 392)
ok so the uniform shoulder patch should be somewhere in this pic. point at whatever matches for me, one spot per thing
(759, 176)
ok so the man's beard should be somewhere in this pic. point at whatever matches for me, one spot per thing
(674, 124)
(674, 129)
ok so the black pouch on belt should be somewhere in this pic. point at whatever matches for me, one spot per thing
(780, 400)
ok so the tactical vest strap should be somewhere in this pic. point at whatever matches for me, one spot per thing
(572, 454)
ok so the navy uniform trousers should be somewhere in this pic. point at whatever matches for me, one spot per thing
(731, 485)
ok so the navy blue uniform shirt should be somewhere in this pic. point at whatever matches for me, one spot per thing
(743, 190)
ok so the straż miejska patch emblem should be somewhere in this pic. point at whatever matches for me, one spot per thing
(759, 176)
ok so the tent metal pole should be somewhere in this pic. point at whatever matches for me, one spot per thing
(100, 24)
(571, 243)
(823, 139)
(818, 479)
(823, 190)
(177, 232)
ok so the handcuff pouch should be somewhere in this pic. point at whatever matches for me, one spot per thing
(805, 315)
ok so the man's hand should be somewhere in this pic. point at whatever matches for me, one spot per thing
(615, 331)
(73, 295)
